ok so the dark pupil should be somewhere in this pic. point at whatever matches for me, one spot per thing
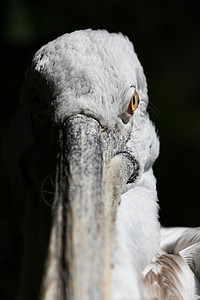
(37, 99)
(133, 100)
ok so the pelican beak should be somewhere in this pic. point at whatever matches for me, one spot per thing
(83, 220)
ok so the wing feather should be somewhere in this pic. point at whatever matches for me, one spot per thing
(176, 273)
(168, 277)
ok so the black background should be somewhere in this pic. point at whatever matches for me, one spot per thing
(166, 36)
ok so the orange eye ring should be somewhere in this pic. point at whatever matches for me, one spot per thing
(133, 104)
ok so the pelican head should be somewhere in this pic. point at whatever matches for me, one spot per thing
(83, 139)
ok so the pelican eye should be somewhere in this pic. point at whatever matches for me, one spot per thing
(133, 104)
(38, 103)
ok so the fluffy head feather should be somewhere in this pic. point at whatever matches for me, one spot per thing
(88, 72)
(91, 73)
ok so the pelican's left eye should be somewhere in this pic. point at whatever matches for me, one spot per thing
(133, 104)
(38, 103)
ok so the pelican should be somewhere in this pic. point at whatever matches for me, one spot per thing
(79, 152)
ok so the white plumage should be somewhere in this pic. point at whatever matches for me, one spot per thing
(137, 236)
(92, 75)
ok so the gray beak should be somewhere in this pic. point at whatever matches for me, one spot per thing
(90, 179)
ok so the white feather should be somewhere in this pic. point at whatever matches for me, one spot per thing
(138, 233)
